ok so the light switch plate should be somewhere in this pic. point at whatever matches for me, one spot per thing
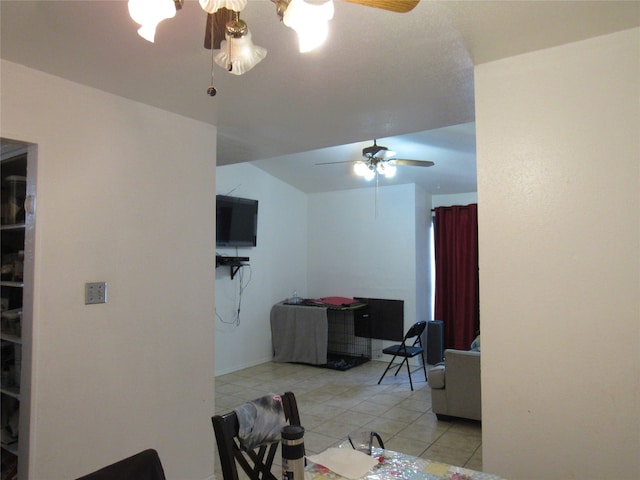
(95, 292)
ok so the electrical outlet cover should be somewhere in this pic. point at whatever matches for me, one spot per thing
(95, 292)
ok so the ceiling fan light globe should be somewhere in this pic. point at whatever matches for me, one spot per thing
(390, 171)
(239, 55)
(148, 32)
(370, 175)
(212, 6)
(149, 13)
(310, 22)
(360, 168)
(312, 37)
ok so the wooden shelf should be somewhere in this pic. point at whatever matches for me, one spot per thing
(234, 263)
(17, 240)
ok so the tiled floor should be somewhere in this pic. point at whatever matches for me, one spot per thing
(334, 403)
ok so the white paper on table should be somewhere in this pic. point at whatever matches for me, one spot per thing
(345, 462)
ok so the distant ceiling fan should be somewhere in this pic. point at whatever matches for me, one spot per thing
(379, 160)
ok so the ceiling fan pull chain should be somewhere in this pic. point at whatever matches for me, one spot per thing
(229, 63)
(211, 91)
(235, 29)
(375, 202)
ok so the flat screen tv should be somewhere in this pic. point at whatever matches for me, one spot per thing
(236, 221)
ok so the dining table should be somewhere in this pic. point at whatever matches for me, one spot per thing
(392, 465)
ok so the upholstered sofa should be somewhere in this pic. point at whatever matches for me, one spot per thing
(455, 385)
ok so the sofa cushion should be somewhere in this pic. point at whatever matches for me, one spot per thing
(436, 377)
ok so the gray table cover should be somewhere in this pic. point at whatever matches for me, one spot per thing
(299, 334)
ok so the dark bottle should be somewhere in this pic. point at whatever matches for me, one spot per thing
(292, 452)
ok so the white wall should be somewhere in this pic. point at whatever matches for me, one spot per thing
(423, 225)
(126, 196)
(558, 180)
(278, 266)
(454, 199)
(356, 250)
(331, 247)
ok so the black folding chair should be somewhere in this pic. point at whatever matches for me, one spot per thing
(407, 351)
(255, 463)
(141, 466)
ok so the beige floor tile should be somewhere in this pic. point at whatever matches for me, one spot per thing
(422, 434)
(356, 418)
(429, 419)
(322, 410)
(405, 445)
(317, 442)
(342, 402)
(333, 403)
(371, 408)
(385, 427)
(467, 427)
(446, 454)
(460, 441)
(337, 429)
(475, 462)
(402, 415)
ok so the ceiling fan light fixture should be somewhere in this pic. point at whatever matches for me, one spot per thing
(212, 6)
(239, 55)
(386, 169)
(389, 170)
(364, 169)
(235, 27)
(310, 21)
(149, 13)
(360, 168)
(370, 174)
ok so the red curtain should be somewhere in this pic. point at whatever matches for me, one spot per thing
(457, 293)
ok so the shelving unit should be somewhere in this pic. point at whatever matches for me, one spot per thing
(13, 231)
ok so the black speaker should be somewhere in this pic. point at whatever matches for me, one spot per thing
(435, 341)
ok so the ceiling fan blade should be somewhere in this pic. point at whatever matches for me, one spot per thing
(399, 6)
(413, 163)
(219, 21)
(334, 163)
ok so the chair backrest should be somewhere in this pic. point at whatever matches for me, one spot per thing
(256, 463)
(416, 330)
(141, 466)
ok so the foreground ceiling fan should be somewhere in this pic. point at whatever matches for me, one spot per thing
(228, 33)
(222, 15)
(379, 160)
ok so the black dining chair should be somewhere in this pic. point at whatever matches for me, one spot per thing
(256, 463)
(141, 466)
(407, 351)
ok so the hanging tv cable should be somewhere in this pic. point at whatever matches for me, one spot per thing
(238, 295)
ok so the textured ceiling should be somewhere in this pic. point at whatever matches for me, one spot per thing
(381, 75)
